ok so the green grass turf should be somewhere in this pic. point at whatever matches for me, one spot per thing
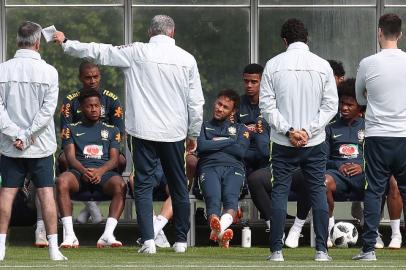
(195, 258)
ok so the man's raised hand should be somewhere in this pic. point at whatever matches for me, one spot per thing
(59, 37)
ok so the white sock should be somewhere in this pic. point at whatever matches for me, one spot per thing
(67, 227)
(268, 224)
(3, 240)
(2, 246)
(159, 223)
(53, 241)
(331, 223)
(40, 224)
(225, 221)
(111, 224)
(298, 224)
(395, 226)
(149, 242)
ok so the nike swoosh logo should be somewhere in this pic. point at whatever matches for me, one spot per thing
(80, 134)
(336, 136)
(243, 115)
(207, 128)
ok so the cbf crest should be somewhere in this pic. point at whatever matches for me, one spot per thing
(361, 135)
(104, 134)
(232, 131)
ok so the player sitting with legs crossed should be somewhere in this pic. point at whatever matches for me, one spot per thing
(221, 148)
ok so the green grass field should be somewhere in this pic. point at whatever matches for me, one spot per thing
(195, 258)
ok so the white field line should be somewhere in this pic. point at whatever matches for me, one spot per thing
(270, 265)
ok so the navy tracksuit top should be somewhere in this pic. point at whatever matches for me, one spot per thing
(230, 147)
(345, 144)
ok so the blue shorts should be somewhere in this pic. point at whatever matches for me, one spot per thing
(84, 186)
(347, 184)
(15, 170)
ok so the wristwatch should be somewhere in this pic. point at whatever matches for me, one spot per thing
(291, 129)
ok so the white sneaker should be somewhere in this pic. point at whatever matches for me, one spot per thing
(379, 243)
(180, 247)
(292, 240)
(365, 256)
(94, 212)
(56, 255)
(70, 242)
(148, 247)
(276, 256)
(322, 256)
(83, 216)
(108, 242)
(161, 240)
(329, 242)
(2, 253)
(41, 237)
(396, 242)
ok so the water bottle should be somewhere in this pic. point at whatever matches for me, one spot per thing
(244, 207)
(246, 237)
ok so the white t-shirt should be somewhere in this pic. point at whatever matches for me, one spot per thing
(383, 76)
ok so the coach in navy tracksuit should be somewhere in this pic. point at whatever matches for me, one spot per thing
(221, 147)
(298, 97)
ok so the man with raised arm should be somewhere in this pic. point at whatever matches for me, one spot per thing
(164, 112)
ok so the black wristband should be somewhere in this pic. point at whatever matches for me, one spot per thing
(64, 41)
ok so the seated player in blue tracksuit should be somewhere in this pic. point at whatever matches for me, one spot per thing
(92, 149)
(248, 113)
(345, 162)
(345, 149)
(221, 147)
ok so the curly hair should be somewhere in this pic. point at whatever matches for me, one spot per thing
(347, 89)
(293, 30)
(88, 94)
(230, 94)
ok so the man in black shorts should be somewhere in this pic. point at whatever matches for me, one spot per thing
(91, 149)
(28, 97)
